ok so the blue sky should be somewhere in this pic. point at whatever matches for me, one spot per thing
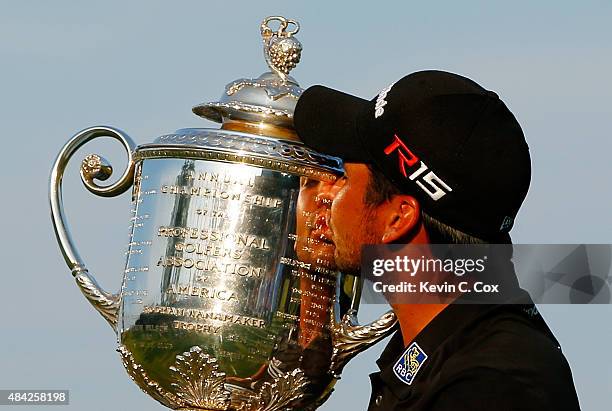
(142, 65)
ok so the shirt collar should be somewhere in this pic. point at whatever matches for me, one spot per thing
(449, 321)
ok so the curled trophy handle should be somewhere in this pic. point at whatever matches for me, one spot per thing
(93, 168)
(349, 338)
(267, 31)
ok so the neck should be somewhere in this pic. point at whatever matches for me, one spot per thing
(414, 317)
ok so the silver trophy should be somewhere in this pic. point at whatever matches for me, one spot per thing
(230, 299)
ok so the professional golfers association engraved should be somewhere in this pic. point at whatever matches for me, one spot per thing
(229, 279)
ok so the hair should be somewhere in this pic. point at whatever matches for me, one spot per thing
(380, 189)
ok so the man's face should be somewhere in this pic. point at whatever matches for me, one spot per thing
(351, 222)
(312, 245)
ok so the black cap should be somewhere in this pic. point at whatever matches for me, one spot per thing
(437, 136)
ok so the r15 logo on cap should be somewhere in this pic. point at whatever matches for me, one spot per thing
(430, 182)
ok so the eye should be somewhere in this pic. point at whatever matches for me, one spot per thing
(306, 182)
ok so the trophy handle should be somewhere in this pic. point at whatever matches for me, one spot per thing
(349, 338)
(92, 167)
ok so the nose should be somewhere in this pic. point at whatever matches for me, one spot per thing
(325, 194)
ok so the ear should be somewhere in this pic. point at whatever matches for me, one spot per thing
(400, 216)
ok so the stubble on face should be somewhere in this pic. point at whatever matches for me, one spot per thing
(347, 253)
(351, 221)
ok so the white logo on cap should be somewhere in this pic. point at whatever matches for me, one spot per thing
(506, 224)
(379, 109)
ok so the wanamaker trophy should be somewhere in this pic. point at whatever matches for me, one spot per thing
(229, 299)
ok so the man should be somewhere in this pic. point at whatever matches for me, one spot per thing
(436, 158)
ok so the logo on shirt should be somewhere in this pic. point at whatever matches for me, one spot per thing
(409, 363)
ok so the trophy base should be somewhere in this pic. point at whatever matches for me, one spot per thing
(199, 386)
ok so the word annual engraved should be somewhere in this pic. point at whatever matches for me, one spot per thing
(202, 292)
(211, 265)
(221, 178)
(254, 199)
(197, 314)
(193, 233)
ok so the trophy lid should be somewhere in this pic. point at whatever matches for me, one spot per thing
(268, 100)
(256, 117)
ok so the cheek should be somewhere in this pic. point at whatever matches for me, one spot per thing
(346, 208)
(337, 206)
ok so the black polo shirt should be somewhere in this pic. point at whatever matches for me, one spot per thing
(490, 357)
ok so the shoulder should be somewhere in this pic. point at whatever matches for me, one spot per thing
(507, 358)
(493, 389)
(506, 339)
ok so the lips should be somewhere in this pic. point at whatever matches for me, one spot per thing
(321, 231)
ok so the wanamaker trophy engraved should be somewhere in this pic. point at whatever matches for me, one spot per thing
(230, 299)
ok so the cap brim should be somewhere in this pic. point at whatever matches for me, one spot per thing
(326, 120)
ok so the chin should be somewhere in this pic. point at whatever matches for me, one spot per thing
(347, 265)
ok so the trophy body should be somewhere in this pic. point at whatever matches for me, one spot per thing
(230, 299)
(213, 270)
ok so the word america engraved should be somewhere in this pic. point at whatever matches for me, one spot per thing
(203, 292)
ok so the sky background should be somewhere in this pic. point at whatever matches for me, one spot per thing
(141, 65)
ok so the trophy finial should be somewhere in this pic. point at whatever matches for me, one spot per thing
(281, 50)
(265, 103)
